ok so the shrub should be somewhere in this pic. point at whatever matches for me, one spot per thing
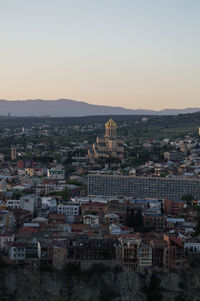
(72, 269)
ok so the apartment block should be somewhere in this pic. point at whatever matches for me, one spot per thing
(142, 187)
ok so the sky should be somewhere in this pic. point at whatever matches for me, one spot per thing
(131, 53)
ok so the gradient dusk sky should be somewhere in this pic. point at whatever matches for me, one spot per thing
(130, 53)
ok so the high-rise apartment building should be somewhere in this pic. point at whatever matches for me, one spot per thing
(143, 187)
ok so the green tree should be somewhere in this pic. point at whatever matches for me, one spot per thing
(188, 198)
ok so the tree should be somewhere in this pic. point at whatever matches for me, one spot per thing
(153, 289)
(197, 232)
(134, 219)
(188, 198)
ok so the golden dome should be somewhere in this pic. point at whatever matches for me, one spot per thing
(110, 123)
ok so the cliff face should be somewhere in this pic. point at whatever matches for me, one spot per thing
(25, 284)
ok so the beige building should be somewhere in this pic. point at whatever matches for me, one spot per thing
(13, 153)
(108, 146)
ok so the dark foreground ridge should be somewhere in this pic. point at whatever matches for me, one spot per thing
(98, 283)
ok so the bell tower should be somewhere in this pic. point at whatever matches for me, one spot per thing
(110, 128)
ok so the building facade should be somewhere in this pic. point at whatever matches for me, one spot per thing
(142, 187)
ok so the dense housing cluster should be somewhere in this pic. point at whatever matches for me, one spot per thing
(126, 202)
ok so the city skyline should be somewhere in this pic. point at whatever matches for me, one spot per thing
(138, 55)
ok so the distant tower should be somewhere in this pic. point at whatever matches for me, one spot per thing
(110, 128)
(13, 153)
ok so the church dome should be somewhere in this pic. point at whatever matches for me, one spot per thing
(110, 124)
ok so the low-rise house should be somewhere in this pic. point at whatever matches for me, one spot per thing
(154, 221)
(192, 246)
(17, 251)
(4, 238)
(56, 173)
(90, 219)
(57, 218)
(115, 229)
(13, 204)
(111, 218)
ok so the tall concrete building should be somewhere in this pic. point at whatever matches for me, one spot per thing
(142, 187)
(13, 153)
(108, 146)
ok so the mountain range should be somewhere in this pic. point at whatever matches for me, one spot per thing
(73, 108)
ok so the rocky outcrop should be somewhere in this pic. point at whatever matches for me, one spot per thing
(27, 284)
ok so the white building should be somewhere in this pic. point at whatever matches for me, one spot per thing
(4, 238)
(192, 246)
(49, 202)
(56, 173)
(30, 202)
(70, 210)
(13, 204)
(91, 219)
(17, 251)
(115, 229)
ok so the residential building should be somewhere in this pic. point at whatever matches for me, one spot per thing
(173, 207)
(90, 219)
(97, 208)
(142, 187)
(70, 210)
(98, 249)
(145, 255)
(45, 252)
(130, 246)
(56, 173)
(59, 255)
(154, 221)
(17, 251)
(192, 246)
(4, 238)
(13, 204)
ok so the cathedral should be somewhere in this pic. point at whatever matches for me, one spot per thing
(108, 146)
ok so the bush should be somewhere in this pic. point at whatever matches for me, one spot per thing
(97, 269)
(72, 269)
(3, 264)
(117, 268)
(107, 293)
(153, 290)
(44, 267)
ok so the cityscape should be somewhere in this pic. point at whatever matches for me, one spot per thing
(69, 204)
(99, 150)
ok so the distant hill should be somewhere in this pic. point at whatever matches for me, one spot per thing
(72, 108)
